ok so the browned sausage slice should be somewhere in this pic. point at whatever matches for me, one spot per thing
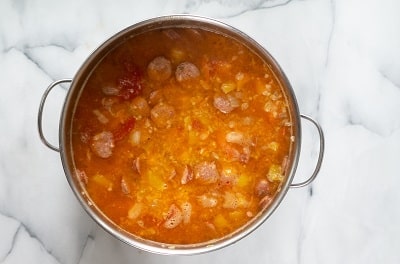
(161, 115)
(103, 144)
(159, 69)
(174, 217)
(206, 172)
(222, 103)
(186, 71)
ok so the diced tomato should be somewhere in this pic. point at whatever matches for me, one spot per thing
(197, 125)
(131, 83)
(130, 67)
(123, 130)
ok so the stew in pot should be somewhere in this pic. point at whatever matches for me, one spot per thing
(181, 135)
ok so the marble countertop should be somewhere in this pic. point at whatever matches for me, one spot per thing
(343, 61)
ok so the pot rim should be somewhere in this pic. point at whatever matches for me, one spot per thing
(66, 117)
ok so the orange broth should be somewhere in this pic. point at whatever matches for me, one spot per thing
(181, 135)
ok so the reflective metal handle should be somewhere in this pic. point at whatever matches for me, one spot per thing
(320, 157)
(40, 113)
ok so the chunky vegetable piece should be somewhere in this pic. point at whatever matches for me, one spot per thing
(181, 136)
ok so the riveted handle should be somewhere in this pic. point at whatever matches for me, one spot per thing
(320, 156)
(40, 113)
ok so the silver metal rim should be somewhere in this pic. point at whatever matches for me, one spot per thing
(155, 247)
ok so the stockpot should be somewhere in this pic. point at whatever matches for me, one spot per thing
(77, 83)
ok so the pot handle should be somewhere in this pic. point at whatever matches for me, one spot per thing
(320, 156)
(40, 113)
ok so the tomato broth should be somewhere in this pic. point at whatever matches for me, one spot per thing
(181, 135)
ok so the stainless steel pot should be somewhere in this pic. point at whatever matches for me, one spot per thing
(77, 83)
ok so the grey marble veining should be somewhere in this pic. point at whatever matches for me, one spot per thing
(343, 61)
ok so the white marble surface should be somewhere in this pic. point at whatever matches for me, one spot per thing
(343, 60)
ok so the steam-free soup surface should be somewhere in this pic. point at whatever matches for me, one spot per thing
(181, 136)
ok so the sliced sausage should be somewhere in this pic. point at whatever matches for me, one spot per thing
(139, 107)
(223, 104)
(206, 172)
(159, 69)
(174, 217)
(186, 71)
(161, 115)
(156, 97)
(103, 144)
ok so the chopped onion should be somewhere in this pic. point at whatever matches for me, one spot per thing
(100, 116)
(110, 90)
(234, 137)
(239, 76)
(135, 211)
(207, 201)
(269, 107)
(135, 137)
